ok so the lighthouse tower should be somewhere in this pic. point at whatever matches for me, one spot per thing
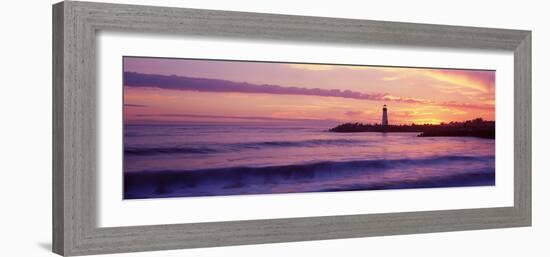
(385, 116)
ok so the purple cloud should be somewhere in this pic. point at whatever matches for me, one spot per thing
(135, 105)
(226, 117)
(353, 113)
(132, 79)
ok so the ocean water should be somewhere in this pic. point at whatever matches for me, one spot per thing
(208, 160)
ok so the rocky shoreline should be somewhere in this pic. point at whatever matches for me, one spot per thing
(471, 128)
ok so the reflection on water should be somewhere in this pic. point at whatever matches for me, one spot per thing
(201, 160)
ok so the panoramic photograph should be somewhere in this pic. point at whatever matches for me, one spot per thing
(197, 127)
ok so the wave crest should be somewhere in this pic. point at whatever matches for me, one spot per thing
(218, 148)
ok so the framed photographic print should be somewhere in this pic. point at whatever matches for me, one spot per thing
(183, 128)
(191, 128)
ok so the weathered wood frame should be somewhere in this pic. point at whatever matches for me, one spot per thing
(74, 126)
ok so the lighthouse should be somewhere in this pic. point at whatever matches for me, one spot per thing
(384, 116)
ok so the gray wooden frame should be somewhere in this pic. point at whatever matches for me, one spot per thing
(75, 25)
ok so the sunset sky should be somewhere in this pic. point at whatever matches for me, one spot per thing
(180, 90)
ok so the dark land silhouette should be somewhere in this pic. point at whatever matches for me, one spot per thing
(470, 128)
